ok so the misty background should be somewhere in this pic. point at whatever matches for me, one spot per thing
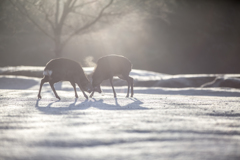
(167, 36)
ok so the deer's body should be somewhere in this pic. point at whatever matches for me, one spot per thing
(110, 66)
(63, 69)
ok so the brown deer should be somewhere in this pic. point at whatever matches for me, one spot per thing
(108, 67)
(62, 69)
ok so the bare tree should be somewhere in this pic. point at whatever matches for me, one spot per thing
(61, 20)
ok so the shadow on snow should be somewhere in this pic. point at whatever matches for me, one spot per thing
(97, 104)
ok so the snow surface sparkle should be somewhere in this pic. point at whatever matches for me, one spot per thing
(158, 123)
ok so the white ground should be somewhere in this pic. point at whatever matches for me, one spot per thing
(158, 123)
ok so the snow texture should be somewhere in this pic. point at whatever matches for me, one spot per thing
(158, 123)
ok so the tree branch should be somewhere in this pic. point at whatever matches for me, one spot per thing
(42, 9)
(73, 3)
(67, 4)
(57, 12)
(24, 12)
(81, 5)
(65, 13)
(89, 24)
(103, 15)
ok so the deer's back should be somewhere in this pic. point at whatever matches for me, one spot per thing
(114, 65)
(63, 68)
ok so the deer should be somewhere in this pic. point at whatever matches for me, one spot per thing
(108, 67)
(63, 69)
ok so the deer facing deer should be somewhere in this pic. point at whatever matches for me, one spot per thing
(63, 69)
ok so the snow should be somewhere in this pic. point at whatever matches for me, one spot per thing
(144, 78)
(231, 82)
(157, 123)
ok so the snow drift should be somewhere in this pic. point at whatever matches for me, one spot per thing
(144, 78)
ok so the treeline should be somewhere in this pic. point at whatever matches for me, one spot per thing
(168, 36)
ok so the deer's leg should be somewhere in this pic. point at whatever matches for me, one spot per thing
(52, 86)
(82, 90)
(92, 94)
(112, 87)
(130, 82)
(128, 87)
(41, 84)
(74, 86)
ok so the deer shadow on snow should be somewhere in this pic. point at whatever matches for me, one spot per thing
(88, 103)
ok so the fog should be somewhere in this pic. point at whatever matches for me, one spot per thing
(173, 37)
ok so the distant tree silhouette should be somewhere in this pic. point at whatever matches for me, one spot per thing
(201, 35)
(55, 19)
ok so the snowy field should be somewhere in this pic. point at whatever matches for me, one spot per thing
(188, 123)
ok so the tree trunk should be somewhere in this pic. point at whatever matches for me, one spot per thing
(58, 51)
(58, 47)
